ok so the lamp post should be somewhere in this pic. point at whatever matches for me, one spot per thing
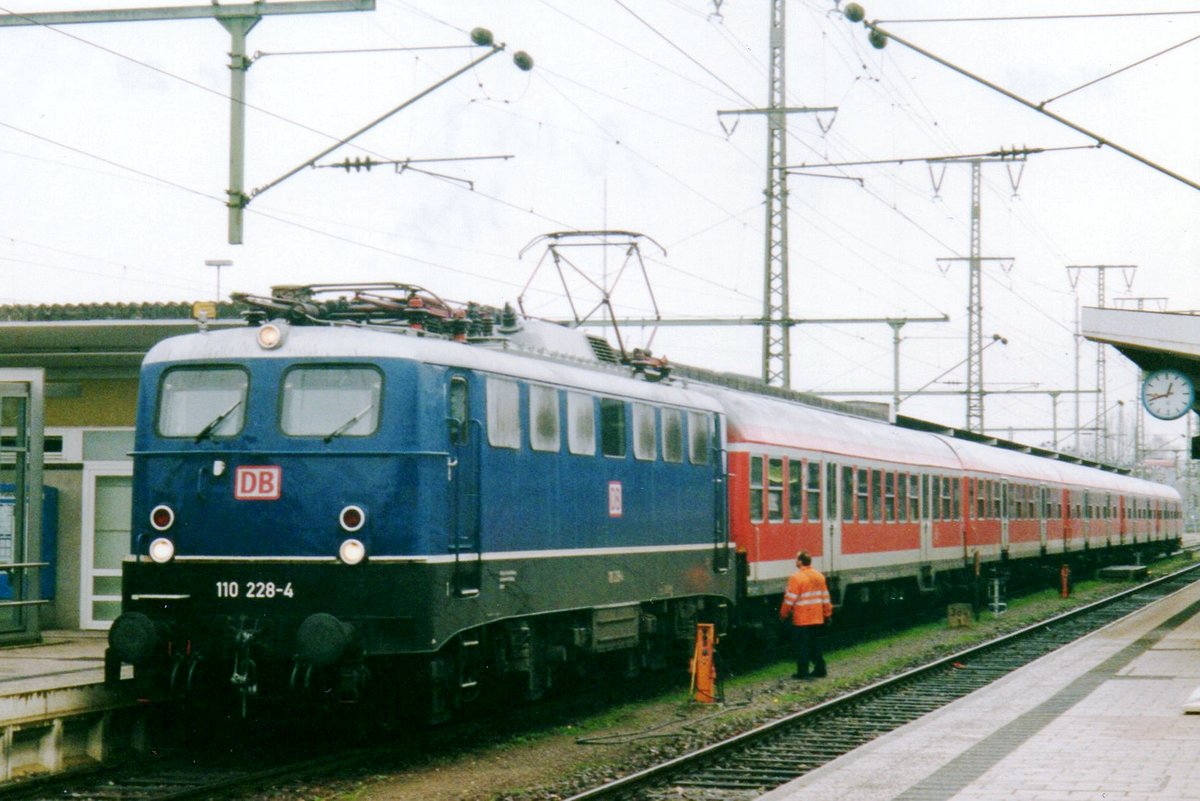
(218, 263)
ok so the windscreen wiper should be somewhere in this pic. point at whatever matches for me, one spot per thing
(207, 431)
(344, 427)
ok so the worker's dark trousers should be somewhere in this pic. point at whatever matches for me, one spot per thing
(807, 647)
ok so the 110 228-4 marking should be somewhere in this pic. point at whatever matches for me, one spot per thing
(254, 590)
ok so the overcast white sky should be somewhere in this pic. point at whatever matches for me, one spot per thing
(114, 156)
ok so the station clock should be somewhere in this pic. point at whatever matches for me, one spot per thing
(1168, 394)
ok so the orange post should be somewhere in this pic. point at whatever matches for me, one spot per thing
(704, 666)
(1065, 575)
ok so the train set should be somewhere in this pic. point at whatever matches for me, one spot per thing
(369, 494)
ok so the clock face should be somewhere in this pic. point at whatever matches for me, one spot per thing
(1168, 394)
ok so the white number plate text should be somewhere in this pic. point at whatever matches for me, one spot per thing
(254, 590)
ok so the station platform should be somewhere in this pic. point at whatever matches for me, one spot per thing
(1102, 718)
(55, 711)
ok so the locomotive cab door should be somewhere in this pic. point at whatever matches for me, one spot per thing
(462, 470)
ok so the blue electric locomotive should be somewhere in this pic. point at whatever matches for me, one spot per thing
(380, 495)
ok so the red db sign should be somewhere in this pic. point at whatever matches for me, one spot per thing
(257, 482)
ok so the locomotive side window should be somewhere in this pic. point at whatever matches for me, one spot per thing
(612, 427)
(756, 489)
(700, 436)
(331, 401)
(775, 489)
(581, 424)
(543, 419)
(202, 402)
(672, 436)
(460, 410)
(645, 438)
(503, 413)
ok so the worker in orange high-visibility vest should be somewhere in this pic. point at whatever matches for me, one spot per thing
(807, 603)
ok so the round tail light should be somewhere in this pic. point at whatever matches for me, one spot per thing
(352, 518)
(162, 517)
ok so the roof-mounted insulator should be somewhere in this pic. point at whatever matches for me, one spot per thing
(508, 320)
(648, 366)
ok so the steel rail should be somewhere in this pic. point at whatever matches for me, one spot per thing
(658, 773)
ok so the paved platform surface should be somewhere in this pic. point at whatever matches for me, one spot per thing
(1102, 718)
(62, 659)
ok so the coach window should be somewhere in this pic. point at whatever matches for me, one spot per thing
(645, 438)
(581, 424)
(331, 401)
(700, 436)
(864, 494)
(876, 495)
(914, 497)
(831, 473)
(889, 496)
(543, 419)
(612, 427)
(795, 490)
(848, 493)
(210, 401)
(814, 491)
(503, 413)
(775, 490)
(948, 511)
(994, 492)
(756, 489)
(672, 435)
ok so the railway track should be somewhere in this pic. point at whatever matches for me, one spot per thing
(740, 768)
(747, 765)
(208, 771)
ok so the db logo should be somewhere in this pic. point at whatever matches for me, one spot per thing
(257, 483)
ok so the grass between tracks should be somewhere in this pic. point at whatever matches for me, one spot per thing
(546, 761)
(866, 663)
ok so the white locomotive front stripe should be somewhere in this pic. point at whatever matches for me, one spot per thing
(254, 590)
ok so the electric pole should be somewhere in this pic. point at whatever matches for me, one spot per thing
(776, 339)
(1127, 271)
(975, 391)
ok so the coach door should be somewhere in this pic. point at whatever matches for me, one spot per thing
(1005, 511)
(832, 544)
(462, 470)
(1043, 515)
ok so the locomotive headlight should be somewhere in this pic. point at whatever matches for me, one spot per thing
(271, 336)
(162, 550)
(162, 517)
(352, 551)
(352, 518)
